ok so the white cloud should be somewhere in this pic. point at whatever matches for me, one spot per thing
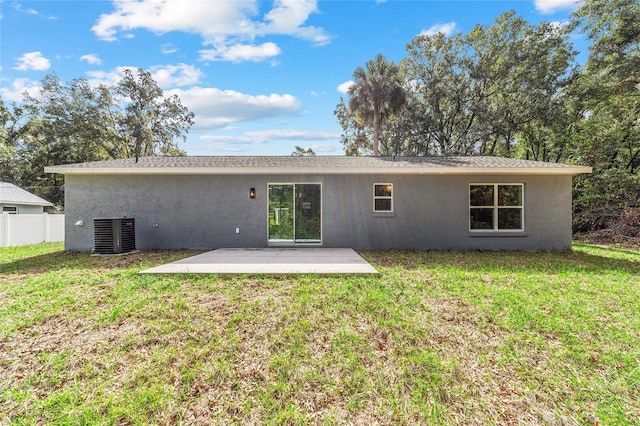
(288, 18)
(15, 93)
(168, 48)
(216, 108)
(446, 29)
(552, 6)
(264, 136)
(91, 58)
(240, 52)
(324, 148)
(344, 87)
(33, 61)
(207, 18)
(229, 26)
(176, 75)
(18, 7)
(167, 76)
(291, 134)
(107, 78)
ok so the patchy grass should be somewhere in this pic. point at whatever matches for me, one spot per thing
(436, 338)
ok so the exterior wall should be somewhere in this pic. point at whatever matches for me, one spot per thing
(24, 208)
(430, 211)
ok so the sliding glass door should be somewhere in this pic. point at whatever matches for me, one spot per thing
(295, 213)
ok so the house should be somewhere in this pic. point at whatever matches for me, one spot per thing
(325, 201)
(15, 200)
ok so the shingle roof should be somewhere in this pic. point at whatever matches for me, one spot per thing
(11, 194)
(314, 164)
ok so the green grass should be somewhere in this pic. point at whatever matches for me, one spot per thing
(436, 338)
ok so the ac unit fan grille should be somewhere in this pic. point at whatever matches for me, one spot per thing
(113, 236)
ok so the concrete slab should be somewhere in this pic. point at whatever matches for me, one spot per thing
(276, 261)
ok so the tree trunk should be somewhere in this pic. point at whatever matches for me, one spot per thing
(376, 133)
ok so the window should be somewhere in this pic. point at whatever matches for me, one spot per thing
(382, 197)
(10, 209)
(496, 207)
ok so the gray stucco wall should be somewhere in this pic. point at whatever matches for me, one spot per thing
(430, 211)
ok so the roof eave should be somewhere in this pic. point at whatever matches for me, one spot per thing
(319, 170)
(27, 203)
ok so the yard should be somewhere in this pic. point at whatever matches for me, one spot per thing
(436, 338)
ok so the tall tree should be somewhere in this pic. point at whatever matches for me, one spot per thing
(475, 93)
(76, 122)
(443, 100)
(14, 123)
(376, 95)
(607, 92)
(151, 123)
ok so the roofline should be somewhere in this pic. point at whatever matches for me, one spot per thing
(26, 203)
(80, 171)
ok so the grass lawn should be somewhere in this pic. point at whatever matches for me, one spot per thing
(436, 338)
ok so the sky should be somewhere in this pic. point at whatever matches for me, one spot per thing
(260, 76)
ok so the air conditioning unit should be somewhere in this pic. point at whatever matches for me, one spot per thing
(114, 235)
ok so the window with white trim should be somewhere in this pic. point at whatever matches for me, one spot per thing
(382, 197)
(10, 209)
(496, 207)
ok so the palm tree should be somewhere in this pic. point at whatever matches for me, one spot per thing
(376, 94)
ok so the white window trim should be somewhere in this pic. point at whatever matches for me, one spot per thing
(495, 207)
(382, 197)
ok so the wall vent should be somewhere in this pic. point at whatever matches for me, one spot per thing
(114, 236)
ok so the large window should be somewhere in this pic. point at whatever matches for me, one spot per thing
(382, 197)
(496, 207)
(9, 209)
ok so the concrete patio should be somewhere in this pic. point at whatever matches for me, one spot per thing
(271, 261)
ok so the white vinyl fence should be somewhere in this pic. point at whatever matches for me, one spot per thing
(22, 229)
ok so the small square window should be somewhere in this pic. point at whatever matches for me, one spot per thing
(382, 197)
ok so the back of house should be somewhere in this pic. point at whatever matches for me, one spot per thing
(359, 202)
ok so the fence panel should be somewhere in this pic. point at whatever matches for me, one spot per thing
(22, 229)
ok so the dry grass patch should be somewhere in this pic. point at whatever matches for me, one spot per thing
(437, 338)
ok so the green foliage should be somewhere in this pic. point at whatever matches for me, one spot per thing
(607, 134)
(513, 89)
(375, 96)
(75, 122)
(477, 93)
(151, 123)
(301, 152)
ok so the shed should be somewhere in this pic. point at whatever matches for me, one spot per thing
(15, 200)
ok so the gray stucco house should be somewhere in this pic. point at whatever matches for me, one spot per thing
(15, 200)
(358, 202)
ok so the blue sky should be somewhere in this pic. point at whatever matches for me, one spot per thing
(260, 76)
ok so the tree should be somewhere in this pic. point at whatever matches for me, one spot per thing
(476, 93)
(151, 123)
(76, 122)
(355, 136)
(13, 125)
(376, 95)
(443, 100)
(301, 152)
(607, 94)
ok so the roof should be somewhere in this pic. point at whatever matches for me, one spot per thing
(11, 194)
(317, 164)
